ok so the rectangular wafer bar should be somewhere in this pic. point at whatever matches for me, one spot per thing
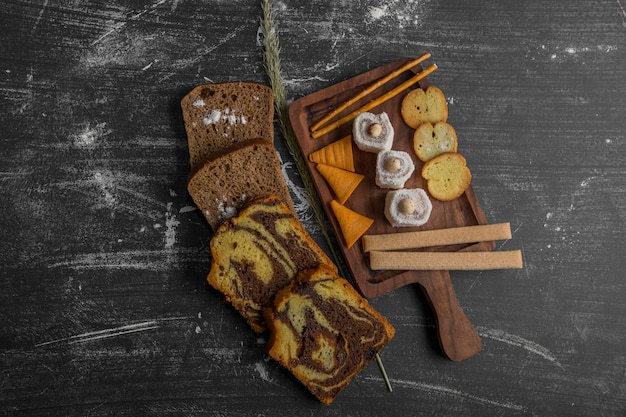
(430, 261)
(440, 237)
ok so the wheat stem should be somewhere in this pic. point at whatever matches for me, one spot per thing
(271, 58)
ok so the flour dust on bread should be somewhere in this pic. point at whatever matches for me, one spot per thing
(218, 115)
(324, 332)
(233, 176)
(257, 253)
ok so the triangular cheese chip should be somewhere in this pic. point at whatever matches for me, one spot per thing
(337, 154)
(353, 225)
(342, 182)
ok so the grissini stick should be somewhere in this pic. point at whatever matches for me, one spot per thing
(376, 102)
(368, 90)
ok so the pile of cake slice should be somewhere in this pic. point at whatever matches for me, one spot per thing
(263, 260)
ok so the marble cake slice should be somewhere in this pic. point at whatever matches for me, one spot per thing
(324, 332)
(257, 253)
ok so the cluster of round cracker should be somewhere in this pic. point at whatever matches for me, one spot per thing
(435, 143)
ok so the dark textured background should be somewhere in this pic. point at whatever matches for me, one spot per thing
(103, 303)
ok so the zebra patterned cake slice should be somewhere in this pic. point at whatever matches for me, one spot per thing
(324, 332)
(259, 252)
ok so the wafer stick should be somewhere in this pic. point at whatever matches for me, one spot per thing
(431, 261)
(439, 237)
(388, 95)
(368, 90)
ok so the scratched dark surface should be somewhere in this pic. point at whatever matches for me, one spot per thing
(103, 303)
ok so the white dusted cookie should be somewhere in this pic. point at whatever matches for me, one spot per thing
(393, 168)
(373, 132)
(407, 207)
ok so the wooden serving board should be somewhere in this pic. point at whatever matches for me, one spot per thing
(458, 338)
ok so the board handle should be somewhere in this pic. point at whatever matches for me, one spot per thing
(458, 338)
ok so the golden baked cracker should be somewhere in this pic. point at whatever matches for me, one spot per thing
(431, 140)
(420, 106)
(447, 176)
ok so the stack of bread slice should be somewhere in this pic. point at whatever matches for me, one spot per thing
(260, 249)
(230, 135)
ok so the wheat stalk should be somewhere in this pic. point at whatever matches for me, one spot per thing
(271, 59)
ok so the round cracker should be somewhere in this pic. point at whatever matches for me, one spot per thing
(447, 176)
(420, 106)
(431, 140)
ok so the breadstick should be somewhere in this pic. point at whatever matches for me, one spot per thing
(368, 90)
(430, 261)
(388, 95)
(426, 238)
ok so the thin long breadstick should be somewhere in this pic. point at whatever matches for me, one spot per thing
(439, 237)
(388, 95)
(368, 90)
(430, 261)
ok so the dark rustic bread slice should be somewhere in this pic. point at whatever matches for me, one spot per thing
(324, 332)
(257, 253)
(233, 176)
(218, 115)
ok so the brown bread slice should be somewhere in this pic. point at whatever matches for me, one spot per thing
(257, 253)
(324, 331)
(218, 115)
(235, 175)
